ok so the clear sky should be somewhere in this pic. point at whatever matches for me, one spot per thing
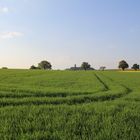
(68, 32)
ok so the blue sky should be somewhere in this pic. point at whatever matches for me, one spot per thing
(68, 32)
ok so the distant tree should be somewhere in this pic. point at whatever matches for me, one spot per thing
(33, 67)
(102, 68)
(136, 67)
(85, 65)
(4, 68)
(123, 65)
(44, 65)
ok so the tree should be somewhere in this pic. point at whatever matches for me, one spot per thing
(45, 65)
(102, 68)
(136, 67)
(33, 67)
(85, 65)
(4, 68)
(123, 65)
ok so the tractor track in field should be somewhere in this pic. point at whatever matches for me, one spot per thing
(102, 82)
(129, 91)
(100, 96)
(12, 95)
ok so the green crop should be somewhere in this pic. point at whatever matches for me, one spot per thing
(69, 105)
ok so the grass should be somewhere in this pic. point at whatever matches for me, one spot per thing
(73, 105)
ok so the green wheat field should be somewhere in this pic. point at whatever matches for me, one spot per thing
(69, 105)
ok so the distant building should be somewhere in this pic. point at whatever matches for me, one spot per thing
(78, 68)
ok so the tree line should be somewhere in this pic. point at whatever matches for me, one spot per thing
(46, 65)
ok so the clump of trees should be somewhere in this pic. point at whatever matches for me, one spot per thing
(85, 65)
(33, 67)
(44, 65)
(102, 68)
(136, 67)
(123, 65)
(4, 68)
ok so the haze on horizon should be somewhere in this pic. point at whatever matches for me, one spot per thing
(68, 32)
